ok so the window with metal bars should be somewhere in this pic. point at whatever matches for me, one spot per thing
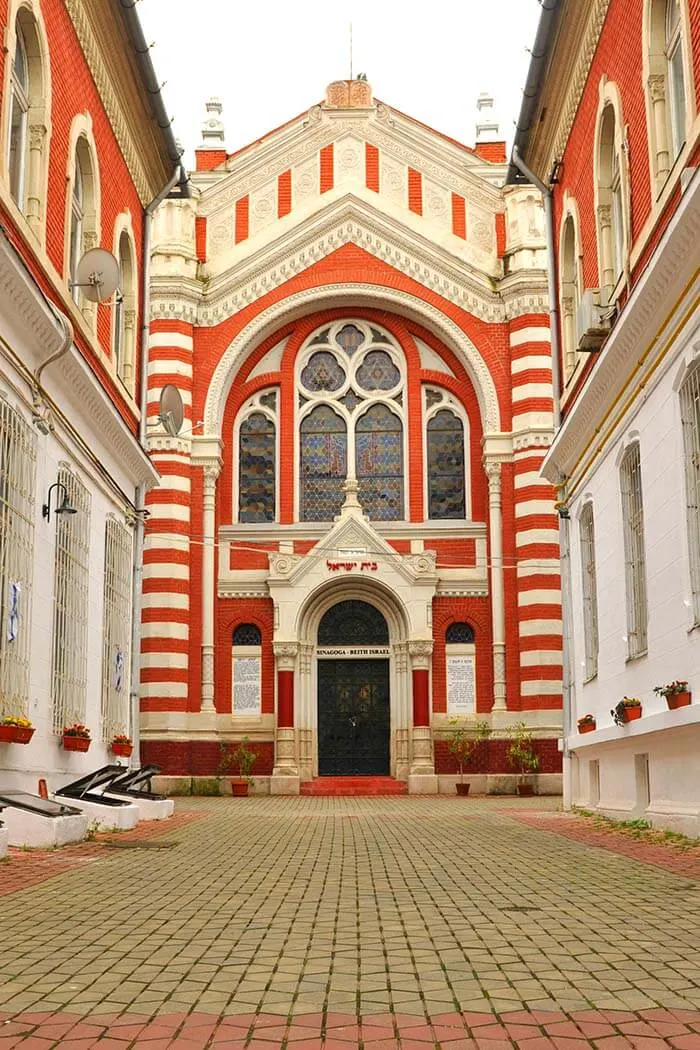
(70, 612)
(17, 509)
(690, 416)
(116, 625)
(589, 591)
(635, 558)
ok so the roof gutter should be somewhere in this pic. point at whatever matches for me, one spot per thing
(153, 87)
(534, 81)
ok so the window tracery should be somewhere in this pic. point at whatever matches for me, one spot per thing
(446, 466)
(257, 460)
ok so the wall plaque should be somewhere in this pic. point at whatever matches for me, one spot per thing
(247, 689)
(461, 693)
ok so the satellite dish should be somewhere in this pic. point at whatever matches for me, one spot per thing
(97, 274)
(172, 412)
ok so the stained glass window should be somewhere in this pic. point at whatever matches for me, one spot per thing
(247, 634)
(269, 400)
(459, 634)
(350, 338)
(351, 400)
(323, 464)
(446, 496)
(322, 372)
(432, 397)
(378, 372)
(379, 463)
(353, 623)
(256, 469)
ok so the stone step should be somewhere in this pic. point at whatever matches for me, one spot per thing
(354, 786)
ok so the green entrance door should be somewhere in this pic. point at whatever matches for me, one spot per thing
(353, 717)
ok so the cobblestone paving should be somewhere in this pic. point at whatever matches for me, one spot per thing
(384, 922)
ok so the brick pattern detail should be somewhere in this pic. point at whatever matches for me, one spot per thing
(200, 233)
(201, 758)
(500, 234)
(415, 191)
(208, 159)
(459, 218)
(491, 756)
(453, 553)
(284, 194)
(242, 217)
(495, 152)
(372, 167)
(326, 169)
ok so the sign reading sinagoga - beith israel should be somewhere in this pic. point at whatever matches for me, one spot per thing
(246, 686)
(461, 692)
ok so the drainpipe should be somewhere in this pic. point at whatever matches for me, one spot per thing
(140, 525)
(562, 509)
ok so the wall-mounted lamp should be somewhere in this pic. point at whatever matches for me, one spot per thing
(65, 506)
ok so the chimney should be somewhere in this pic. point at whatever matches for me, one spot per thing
(211, 152)
(490, 143)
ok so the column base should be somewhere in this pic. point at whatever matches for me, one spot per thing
(284, 784)
(422, 784)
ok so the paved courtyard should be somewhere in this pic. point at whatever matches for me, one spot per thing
(383, 922)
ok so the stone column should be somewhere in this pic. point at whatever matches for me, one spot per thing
(498, 612)
(211, 473)
(657, 94)
(607, 251)
(285, 775)
(35, 176)
(421, 779)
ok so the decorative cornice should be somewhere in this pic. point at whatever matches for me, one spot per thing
(104, 78)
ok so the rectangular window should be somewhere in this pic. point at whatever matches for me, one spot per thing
(690, 416)
(677, 96)
(589, 591)
(116, 630)
(635, 559)
(70, 612)
(17, 512)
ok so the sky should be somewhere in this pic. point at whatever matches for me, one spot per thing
(269, 61)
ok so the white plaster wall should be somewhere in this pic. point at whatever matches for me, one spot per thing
(673, 646)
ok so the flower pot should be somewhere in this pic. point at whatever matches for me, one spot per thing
(587, 727)
(630, 714)
(462, 789)
(678, 700)
(16, 734)
(525, 790)
(239, 788)
(123, 750)
(76, 743)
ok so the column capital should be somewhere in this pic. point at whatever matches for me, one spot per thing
(420, 650)
(211, 469)
(656, 83)
(285, 655)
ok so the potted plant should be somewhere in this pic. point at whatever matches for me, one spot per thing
(676, 694)
(242, 759)
(586, 724)
(15, 729)
(462, 741)
(122, 745)
(522, 756)
(76, 737)
(628, 709)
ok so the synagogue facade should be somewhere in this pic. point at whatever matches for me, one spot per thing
(350, 544)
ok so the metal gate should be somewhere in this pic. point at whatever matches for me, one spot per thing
(353, 717)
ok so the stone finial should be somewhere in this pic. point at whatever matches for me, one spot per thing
(487, 126)
(213, 127)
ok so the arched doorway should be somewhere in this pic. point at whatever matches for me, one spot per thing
(353, 691)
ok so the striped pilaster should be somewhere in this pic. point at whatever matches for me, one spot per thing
(536, 524)
(166, 576)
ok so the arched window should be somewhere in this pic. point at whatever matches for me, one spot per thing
(690, 415)
(379, 462)
(665, 87)
(459, 634)
(124, 331)
(19, 120)
(247, 634)
(83, 217)
(257, 468)
(445, 461)
(570, 293)
(611, 210)
(28, 101)
(353, 623)
(351, 421)
(323, 464)
(634, 546)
